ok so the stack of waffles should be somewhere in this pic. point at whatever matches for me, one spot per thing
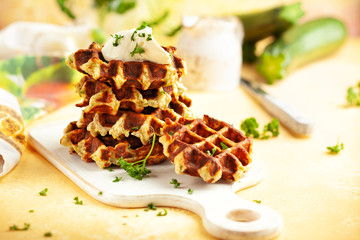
(126, 103)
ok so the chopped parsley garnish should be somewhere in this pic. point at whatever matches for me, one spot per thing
(161, 213)
(336, 149)
(117, 179)
(250, 127)
(43, 192)
(170, 133)
(149, 37)
(117, 37)
(175, 182)
(110, 169)
(162, 92)
(100, 193)
(47, 234)
(212, 152)
(223, 146)
(142, 26)
(257, 201)
(16, 228)
(150, 206)
(190, 191)
(353, 95)
(137, 169)
(137, 50)
(77, 201)
(135, 128)
(133, 36)
(141, 34)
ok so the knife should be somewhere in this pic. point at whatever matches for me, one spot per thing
(286, 114)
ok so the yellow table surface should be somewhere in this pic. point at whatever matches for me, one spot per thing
(318, 194)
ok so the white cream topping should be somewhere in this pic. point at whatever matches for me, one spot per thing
(135, 45)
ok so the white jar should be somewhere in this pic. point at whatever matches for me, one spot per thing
(211, 48)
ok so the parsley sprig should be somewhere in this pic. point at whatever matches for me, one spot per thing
(175, 182)
(137, 169)
(137, 50)
(117, 38)
(160, 214)
(77, 201)
(150, 206)
(43, 192)
(250, 127)
(336, 148)
(353, 95)
(16, 228)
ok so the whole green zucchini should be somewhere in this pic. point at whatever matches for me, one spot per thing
(300, 45)
(264, 23)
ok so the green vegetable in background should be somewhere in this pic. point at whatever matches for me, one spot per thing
(103, 7)
(265, 23)
(274, 21)
(300, 45)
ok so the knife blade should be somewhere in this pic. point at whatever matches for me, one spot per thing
(287, 115)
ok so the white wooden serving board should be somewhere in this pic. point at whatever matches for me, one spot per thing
(224, 214)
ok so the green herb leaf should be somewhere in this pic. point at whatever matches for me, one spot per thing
(175, 182)
(16, 228)
(190, 191)
(142, 26)
(117, 179)
(161, 213)
(150, 206)
(77, 201)
(65, 9)
(249, 126)
(212, 151)
(117, 38)
(133, 36)
(223, 146)
(137, 169)
(100, 193)
(43, 192)
(257, 201)
(141, 34)
(353, 95)
(336, 149)
(31, 211)
(135, 128)
(47, 234)
(149, 37)
(110, 169)
(137, 50)
(272, 127)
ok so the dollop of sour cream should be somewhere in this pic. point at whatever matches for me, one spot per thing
(135, 45)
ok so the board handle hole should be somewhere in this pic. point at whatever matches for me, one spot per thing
(243, 215)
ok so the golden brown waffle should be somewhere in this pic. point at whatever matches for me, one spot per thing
(100, 97)
(129, 123)
(206, 147)
(105, 150)
(141, 75)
